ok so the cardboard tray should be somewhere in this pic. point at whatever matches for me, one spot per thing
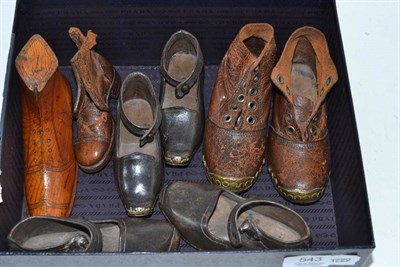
(132, 34)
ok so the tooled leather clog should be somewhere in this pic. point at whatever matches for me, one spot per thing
(298, 149)
(236, 126)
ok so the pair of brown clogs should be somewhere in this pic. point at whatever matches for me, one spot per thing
(297, 143)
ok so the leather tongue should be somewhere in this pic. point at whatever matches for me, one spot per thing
(303, 108)
(303, 102)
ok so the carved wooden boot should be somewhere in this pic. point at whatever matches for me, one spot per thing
(49, 160)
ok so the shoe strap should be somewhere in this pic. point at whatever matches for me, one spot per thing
(182, 87)
(146, 133)
(250, 228)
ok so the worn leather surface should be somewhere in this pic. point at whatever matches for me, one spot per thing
(235, 137)
(298, 142)
(50, 234)
(138, 169)
(182, 132)
(183, 119)
(97, 81)
(189, 206)
(144, 235)
(80, 235)
(139, 181)
(50, 169)
(234, 150)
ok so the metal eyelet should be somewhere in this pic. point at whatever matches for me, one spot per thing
(289, 117)
(290, 130)
(250, 120)
(315, 119)
(240, 98)
(328, 81)
(280, 79)
(244, 84)
(255, 78)
(227, 118)
(253, 91)
(234, 107)
(252, 105)
(313, 130)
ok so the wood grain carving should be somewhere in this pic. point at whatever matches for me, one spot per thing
(49, 160)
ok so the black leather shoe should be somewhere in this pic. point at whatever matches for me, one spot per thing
(53, 234)
(138, 164)
(210, 218)
(181, 98)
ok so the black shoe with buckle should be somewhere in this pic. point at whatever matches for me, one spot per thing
(181, 98)
(138, 164)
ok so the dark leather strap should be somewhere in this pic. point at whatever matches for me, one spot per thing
(146, 133)
(182, 87)
(250, 228)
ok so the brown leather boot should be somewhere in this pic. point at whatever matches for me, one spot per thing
(49, 160)
(97, 82)
(235, 130)
(298, 143)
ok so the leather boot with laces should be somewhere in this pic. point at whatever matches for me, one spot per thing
(97, 82)
(235, 131)
(298, 144)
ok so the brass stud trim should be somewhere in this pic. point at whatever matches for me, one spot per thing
(234, 184)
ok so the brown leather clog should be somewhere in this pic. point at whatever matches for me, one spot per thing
(97, 82)
(298, 143)
(50, 168)
(236, 125)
